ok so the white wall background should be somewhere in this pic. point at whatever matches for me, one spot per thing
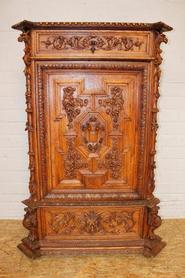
(170, 173)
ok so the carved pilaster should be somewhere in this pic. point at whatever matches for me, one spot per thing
(154, 243)
(30, 243)
(26, 38)
(154, 125)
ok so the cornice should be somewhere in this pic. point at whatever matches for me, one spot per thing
(25, 25)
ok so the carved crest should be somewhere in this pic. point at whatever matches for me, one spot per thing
(93, 133)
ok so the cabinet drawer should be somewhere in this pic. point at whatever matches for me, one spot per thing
(92, 44)
(93, 222)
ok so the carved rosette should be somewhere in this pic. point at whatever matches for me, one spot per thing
(93, 43)
(73, 160)
(114, 105)
(92, 222)
(72, 105)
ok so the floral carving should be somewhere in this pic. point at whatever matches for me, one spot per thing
(72, 105)
(73, 160)
(92, 222)
(93, 132)
(113, 160)
(114, 104)
(93, 43)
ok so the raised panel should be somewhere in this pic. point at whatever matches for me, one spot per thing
(92, 135)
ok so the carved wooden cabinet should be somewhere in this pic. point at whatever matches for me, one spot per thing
(91, 96)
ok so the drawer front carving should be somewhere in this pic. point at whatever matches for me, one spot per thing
(95, 222)
(92, 44)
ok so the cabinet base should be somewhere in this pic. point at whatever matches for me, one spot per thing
(149, 248)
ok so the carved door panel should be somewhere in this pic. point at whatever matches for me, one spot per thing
(92, 115)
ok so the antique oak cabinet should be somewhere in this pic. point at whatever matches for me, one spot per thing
(91, 96)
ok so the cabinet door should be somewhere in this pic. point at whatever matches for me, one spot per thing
(92, 127)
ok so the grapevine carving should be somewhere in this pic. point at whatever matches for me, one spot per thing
(93, 43)
(73, 160)
(72, 105)
(113, 160)
(114, 105)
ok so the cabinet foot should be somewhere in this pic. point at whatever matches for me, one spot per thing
(153, 247)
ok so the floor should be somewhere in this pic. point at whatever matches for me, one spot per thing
(170, 263)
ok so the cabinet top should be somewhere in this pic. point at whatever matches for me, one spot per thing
(26, 25)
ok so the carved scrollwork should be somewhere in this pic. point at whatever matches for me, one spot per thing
(113, 160)
(114, 105)
(72, 105)
(92, 222)
(93, 43)
(73, 160)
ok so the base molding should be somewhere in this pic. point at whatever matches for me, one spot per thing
(149, 248)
